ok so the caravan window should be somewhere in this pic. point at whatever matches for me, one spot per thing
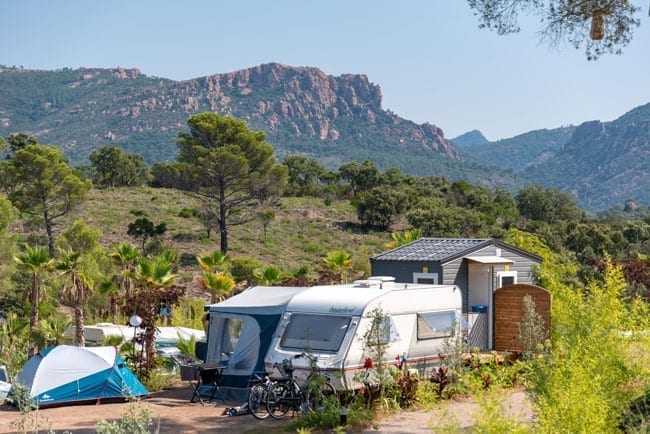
(385, 331)
(315, 332)
(433, 325)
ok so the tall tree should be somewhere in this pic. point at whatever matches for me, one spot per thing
(230, 168)
(19, 141)
(598, 26)
(113, 167)
(45, 186)
(361, 176)
(36, 260)
(304, 175)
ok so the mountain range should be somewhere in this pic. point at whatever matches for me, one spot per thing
(333, 119)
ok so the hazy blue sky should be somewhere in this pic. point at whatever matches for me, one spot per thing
(430, 59)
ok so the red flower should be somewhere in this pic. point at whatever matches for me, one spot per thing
(367, 364)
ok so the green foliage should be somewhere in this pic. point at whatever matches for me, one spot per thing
(268, 275)
(218, 284)
(136, 420)
(14, 341)
(494, 418)
(243, 269)
(45, 186)
(306, 176)
(230, 167)
(588, 379)
(378, 207)
(547, 204)
(189, 313)
(405, 237)
(143, 229)
(113, 167)
(598, 28)
(531, 332)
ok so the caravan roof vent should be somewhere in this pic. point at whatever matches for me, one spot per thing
(367, 283)
(384, 282)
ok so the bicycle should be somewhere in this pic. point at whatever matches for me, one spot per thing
(258, 394)
(286, 394)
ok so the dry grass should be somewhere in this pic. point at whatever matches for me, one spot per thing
(303, 230)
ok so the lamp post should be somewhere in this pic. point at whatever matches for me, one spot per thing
(135, 321)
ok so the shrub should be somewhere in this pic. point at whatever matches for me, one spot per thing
(242, 269)
(187, 213)
(136, 420)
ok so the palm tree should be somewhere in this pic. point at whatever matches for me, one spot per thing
(213, 262)
(78, 289)
(109, 287)
(35, 260)
(338, 261)
(268, 275)
(401, 238)
(155, 286)
(125, 257)
(219, 285)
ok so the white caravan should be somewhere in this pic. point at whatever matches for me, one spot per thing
(329, 322)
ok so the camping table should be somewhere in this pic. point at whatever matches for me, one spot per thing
(208, 374)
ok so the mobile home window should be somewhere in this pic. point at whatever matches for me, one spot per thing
(506, 278)
(315, 332)
(432, 325)
(426, 278)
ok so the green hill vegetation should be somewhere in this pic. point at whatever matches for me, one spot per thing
(136, 240)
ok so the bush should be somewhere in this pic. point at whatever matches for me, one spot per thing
(187, 213)
(242, 269)
(136, 420)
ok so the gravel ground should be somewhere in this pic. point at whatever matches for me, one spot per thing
(173, 413)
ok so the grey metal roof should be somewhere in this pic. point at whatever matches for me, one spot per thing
(433, 249)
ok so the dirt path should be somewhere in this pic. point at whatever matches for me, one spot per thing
(173, 413)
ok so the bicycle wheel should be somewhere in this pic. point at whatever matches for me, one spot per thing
(278, 401)
(321, 394)
(257, 401)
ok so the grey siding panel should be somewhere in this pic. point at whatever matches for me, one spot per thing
(403, 271)
(455, 273)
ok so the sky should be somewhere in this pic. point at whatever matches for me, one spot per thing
(430, 59)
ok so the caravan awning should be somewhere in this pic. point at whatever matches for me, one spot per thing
(489, 260)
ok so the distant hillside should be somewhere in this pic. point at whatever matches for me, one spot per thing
(301, 109)
(520, 152)
(470, 138)
(604, 163)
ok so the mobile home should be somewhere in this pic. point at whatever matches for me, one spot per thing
(329, 322)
